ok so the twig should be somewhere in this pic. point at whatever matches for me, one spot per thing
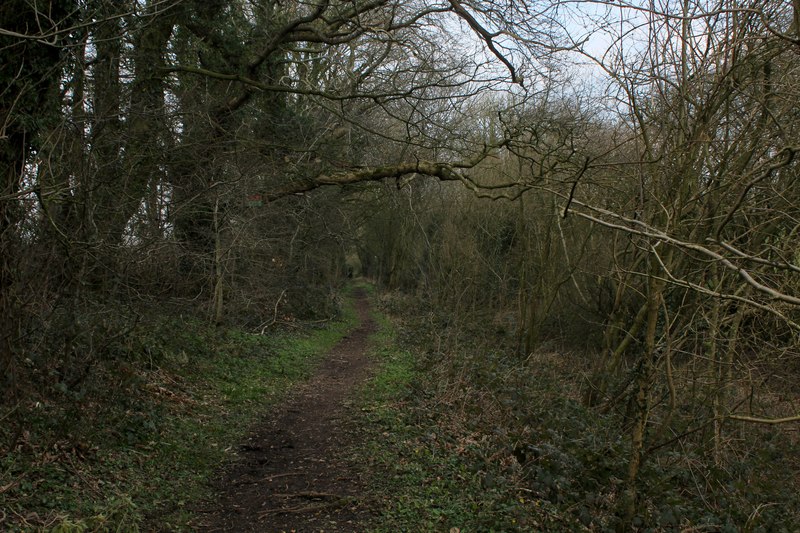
(274, 314)
(305, 508)
(308, 495)
(574, 186)
(276, 476)
(759, 420)
(70, 466)
(270, 478)
(11, 412)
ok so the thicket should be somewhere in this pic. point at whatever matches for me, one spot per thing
(133, 446)
(481, 439)
(558, 307)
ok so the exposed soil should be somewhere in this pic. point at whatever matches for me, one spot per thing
(293, 473)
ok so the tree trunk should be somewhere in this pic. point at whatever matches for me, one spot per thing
(29, 71)
(642, 402)
(12, 160)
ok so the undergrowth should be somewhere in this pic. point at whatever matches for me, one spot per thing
(130, 446)
(474, 438)
(432, 470)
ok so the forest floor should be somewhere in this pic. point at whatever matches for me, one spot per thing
(293, 472)
(385, 419)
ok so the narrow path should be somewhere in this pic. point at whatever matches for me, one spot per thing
(292, 474)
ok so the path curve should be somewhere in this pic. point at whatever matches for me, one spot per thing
(291, 474)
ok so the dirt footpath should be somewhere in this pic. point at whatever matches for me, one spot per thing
(292, 474)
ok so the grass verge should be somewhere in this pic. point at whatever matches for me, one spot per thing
(130, 448)
(430, 473)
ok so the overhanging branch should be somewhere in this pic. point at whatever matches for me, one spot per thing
(637, 227)
(442, 171)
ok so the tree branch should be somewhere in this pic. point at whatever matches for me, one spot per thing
(487, 38)
(770, 421)
(630, 226)
(443, 171)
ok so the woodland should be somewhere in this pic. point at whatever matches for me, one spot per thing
(585, 215)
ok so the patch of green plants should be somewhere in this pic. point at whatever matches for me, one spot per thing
(361, 284)
(131, 447)
(429, 472)
(476, 438)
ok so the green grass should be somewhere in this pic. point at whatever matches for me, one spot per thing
(420, 479)
(134, 450)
